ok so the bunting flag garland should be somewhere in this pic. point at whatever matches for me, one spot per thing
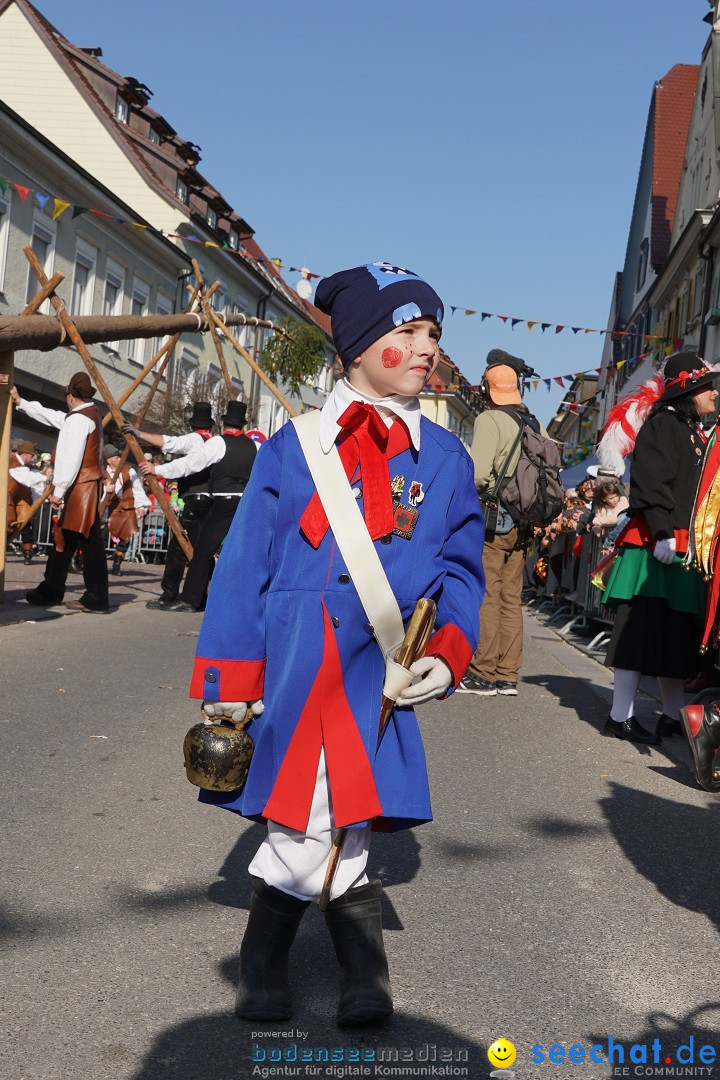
(60, 206)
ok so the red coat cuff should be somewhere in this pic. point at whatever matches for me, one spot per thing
(227, 680)
(451, 645)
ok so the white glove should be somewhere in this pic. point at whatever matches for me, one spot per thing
(231, 710)
(436, 679)
(664, 551)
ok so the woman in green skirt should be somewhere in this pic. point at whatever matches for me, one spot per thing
(658, 604)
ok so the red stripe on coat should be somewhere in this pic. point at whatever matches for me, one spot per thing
(326, 720)
(237, 680)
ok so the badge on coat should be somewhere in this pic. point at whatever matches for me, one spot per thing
(404, 520)
(416, 493)
(397, 485)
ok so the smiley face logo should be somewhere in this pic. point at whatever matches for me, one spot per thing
(502, 1054)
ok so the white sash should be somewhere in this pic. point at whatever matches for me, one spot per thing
(357, 549)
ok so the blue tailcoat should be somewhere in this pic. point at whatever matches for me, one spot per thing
(266, 626)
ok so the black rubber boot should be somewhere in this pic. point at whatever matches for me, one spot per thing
(263, 990)
(116, 564)
(355, 924)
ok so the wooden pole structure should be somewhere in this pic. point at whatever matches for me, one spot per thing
(215, 318)
(205, 305)
(165, 351)
(136, 422)
(43, 332)
(76, 339)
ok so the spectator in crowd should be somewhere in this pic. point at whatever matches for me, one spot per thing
(609, 507)
(126, 503)
(25, 484)
(495, 666)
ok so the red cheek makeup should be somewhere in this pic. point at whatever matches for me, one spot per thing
(391, 357)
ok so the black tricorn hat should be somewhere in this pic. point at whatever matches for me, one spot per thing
(235, 415)
(685, 372)
(201, 415)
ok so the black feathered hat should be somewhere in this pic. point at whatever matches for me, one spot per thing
(685, 372)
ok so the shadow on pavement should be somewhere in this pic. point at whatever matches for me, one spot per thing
(218, 1046)
(684, 1034)
(670, 844)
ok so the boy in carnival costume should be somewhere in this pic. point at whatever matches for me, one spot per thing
(286, 633)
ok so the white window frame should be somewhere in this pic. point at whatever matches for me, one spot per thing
(116, 271)
(219, 299)
(122, 110)
(188, 369)
(233, 240)
(181, 190)
(42, 224)
(240, 332)
(211, 217)
(164, 305)
(5, 206)
(140, 292)
(154, 137)
(86, 255)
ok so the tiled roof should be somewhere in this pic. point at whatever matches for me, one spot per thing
(673, 100)
(90, 75)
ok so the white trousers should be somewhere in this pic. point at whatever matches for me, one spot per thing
(295, 862)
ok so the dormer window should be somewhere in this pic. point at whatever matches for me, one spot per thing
(211, 218)
(233, 240)
(122, 110)
(154, 136)
(181, 190)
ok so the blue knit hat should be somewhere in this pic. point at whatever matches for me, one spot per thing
(368, 301)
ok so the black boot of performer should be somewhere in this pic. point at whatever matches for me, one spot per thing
(116, 563)
(666, 727)
(263, 989)
(355, 924)
(702, 727)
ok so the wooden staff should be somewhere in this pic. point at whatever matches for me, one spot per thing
(412, 648)
(102, 386)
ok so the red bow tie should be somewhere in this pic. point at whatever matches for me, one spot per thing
(364, 442)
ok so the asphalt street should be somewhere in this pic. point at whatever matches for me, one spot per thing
(566, 892)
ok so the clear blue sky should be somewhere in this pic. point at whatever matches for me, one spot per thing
(491, 146)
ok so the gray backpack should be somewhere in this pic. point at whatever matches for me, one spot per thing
(534, 495)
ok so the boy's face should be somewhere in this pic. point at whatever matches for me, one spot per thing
(399, 362)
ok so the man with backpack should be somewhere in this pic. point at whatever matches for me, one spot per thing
(516, 474)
